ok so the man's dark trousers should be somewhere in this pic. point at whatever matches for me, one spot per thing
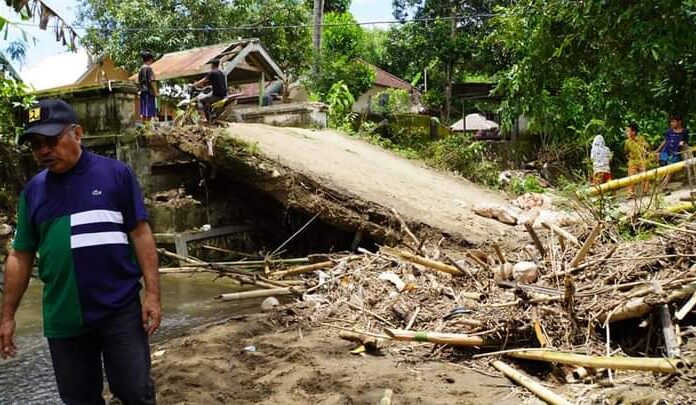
(120, 338)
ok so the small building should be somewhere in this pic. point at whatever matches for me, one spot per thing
(384, 81)
(244, 61)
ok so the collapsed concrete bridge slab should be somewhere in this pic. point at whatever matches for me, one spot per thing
(348, 183)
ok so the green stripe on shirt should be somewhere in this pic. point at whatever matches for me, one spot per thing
(62, 311)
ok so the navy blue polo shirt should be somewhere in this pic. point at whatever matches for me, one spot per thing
(78, 222)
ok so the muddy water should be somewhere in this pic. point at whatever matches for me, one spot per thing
(187, 302)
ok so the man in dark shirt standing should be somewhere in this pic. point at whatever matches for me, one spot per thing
(85, 217)
(218, 80)
(148, 88)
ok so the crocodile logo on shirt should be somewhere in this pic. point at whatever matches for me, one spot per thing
(96, 193)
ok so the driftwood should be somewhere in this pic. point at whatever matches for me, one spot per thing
(256, 294)
(302, 269)
(417, 243)
(454, 339)
(431, 264)
(690, 304)
(535, 238)
(580, 256)
(562, 233)
(371, 343)
(671, 343)
(637, 307)
(527, 382)
(387, 397)
(662, 365)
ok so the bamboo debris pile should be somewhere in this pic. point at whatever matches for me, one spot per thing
(564, 301)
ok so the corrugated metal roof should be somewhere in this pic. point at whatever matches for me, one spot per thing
(386, 79)
(190, 62)
(234, 55)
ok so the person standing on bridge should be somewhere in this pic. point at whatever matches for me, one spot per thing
(84, 215)
(148, 88)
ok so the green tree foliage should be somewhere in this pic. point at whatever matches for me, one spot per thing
(448, 44)
(331, 6)
(570, 63)
(343, 46)
(123, 28)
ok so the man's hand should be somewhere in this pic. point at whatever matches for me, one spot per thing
(7, 346)
(151, 313)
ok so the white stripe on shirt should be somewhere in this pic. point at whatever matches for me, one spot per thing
(96, 216)
(97, 239)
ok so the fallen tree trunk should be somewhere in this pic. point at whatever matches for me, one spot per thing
(666, 366)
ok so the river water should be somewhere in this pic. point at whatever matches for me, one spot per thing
(186, 302)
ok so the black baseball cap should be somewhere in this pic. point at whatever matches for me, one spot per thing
(48, 118)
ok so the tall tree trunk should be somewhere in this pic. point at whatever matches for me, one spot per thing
(448, 93)
(449, 66)
(318, 21)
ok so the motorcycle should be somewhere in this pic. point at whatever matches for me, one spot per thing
(188, 106)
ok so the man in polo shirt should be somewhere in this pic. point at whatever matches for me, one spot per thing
(85, 221)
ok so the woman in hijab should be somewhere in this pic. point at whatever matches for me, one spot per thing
(601, 156)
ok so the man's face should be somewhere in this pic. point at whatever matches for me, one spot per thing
(675, 123)
(59, 153)
(630, 133)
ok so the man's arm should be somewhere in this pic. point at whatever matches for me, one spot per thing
(203, 82)
(17, 275)
(146, 253)
(662, 145)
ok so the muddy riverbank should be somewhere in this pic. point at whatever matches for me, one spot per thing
(255, 360)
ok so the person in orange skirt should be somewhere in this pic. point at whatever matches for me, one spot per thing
(601, 159)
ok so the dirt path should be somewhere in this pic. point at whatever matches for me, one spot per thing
(419, 194)
(308, 367)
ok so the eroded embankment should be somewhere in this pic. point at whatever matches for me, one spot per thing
(348, 183)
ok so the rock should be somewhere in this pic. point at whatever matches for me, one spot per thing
(269, 303)
(525, 272)
(529, 217)
(5, 230)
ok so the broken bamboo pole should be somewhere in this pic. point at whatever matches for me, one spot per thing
(527, 382)
(671, 344)
(638, 178)
(183, 270)
(561, 233)
(535, 238)
(302, 269)
(637, 307)
(662, 365)
(589, 242)
(690, 304)
(453, 339)
(431, 264)
(255, 294)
